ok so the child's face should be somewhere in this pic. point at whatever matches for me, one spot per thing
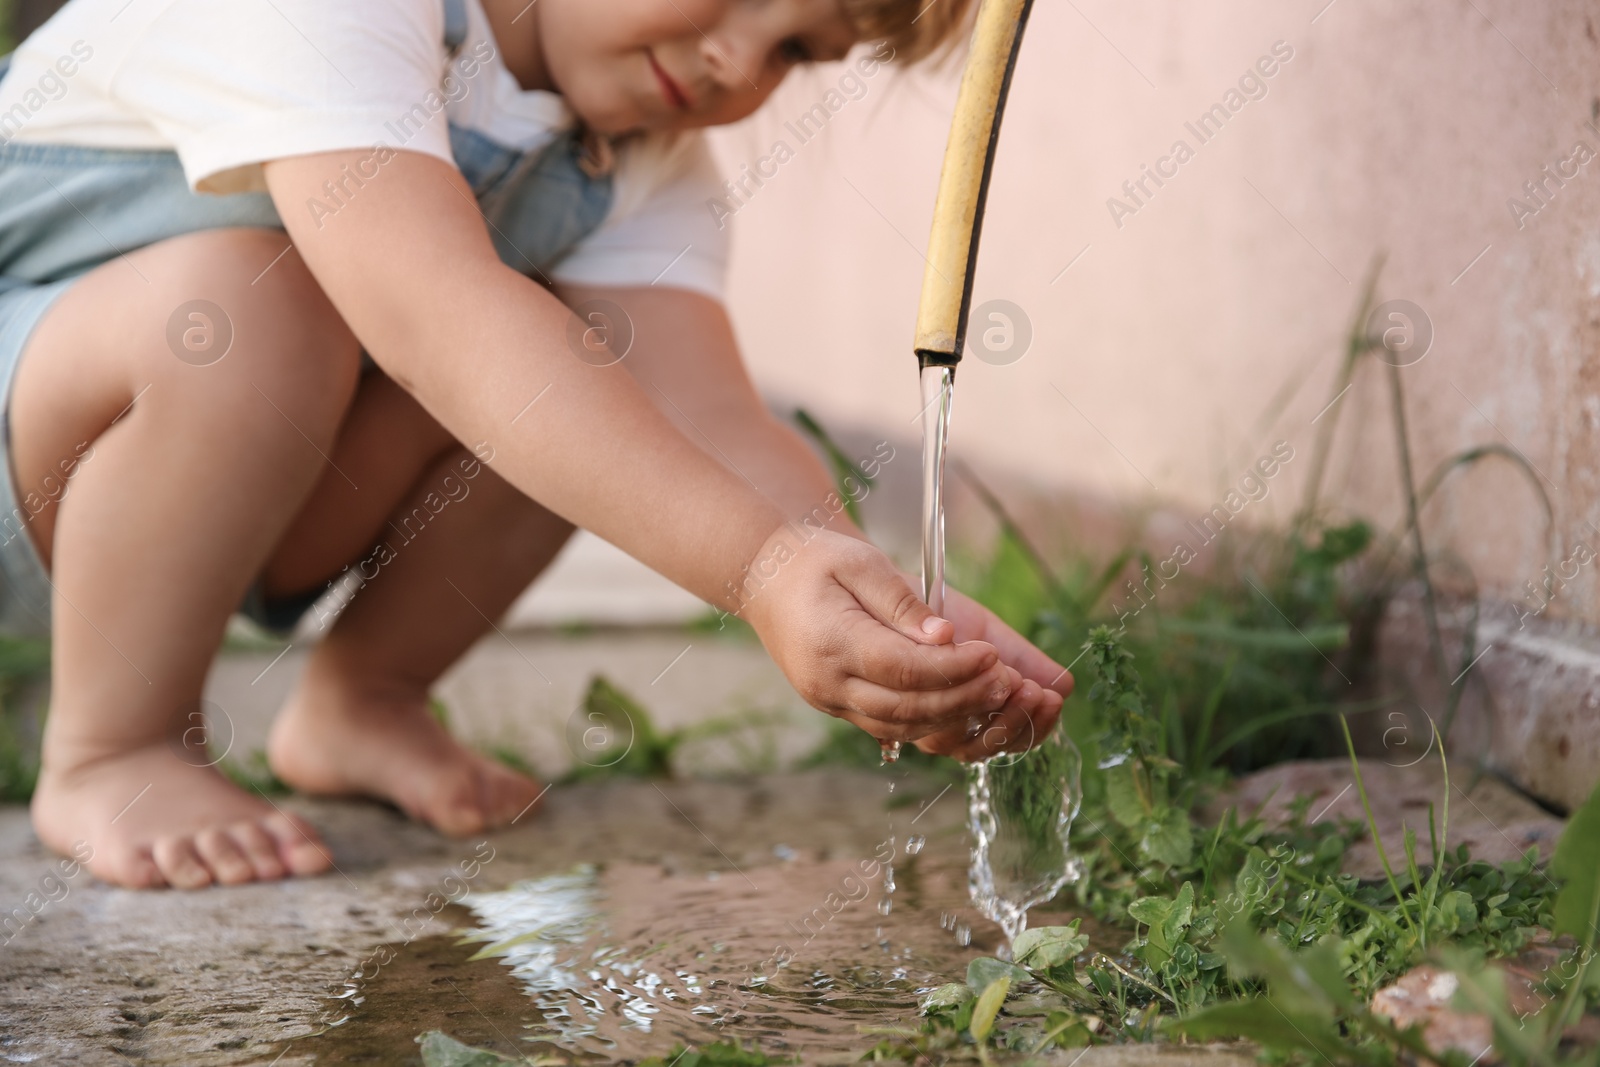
(669, 64)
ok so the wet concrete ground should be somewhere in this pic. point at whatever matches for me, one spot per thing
(245, 975)
(253, 975)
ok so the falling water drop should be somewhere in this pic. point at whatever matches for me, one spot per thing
(914, 844)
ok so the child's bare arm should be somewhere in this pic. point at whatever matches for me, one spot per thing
(410, 267)
(684, 353)
(408, 264)
(683, 350)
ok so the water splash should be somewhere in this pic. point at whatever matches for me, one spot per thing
(1020, 811)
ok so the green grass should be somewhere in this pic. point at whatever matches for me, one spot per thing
(22, 662)
(1252, 931)
(1237, 928)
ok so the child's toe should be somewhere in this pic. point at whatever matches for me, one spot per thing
(133, 867)
(511, 795)
(259, 849)
(223, 857)
(298, 847)
(459, 811)
(180, 863)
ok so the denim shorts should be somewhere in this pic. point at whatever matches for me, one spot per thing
(65, 210)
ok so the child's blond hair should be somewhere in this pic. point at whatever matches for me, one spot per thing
(915, 29)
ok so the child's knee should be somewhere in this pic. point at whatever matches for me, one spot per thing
(286, 340)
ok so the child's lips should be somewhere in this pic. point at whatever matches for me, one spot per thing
(674, 92)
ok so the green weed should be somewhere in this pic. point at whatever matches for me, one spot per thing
(1241, 928)
(253, 774)
(21, 663)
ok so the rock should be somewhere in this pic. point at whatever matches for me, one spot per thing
(1494, 821)
(1422, 997)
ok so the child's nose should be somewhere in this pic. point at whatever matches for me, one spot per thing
(735, 61)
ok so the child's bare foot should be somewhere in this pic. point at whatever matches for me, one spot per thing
(338, 738)
(153, 820)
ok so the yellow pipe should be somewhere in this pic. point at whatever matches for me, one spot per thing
(964, 181)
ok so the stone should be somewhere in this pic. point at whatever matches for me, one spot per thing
(1494, 821)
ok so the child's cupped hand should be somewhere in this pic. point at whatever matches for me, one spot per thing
(856, 641)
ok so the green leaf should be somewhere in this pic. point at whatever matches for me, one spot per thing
(1122, 796)
(1177, 920)
(1152, 911)
(984, 971)
(1306, 981)
(1049, 946)
(442, 1050)
(1265, 1022)
(617, 738)
(1170, 839)
(1066, 1030)
(1578, 903)
(988, 1006)
(950, 995)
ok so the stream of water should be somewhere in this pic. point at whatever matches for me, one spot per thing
(1020, 806)
(938, 392)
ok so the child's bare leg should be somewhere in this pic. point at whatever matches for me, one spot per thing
(196, 472)
(451, 556)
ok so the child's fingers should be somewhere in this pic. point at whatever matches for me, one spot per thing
(923, 712)
(890, 599)
(1025, 720)
(974, 620)
(885, 659)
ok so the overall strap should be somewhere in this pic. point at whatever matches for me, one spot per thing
(455, 25)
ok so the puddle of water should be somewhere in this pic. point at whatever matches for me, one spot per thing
(599, 965)
(427, 985)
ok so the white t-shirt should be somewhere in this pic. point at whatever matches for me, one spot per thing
(229, 84)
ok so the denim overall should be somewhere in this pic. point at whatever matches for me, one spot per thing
(65, 210)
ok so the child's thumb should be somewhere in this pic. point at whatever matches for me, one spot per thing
(892, 601)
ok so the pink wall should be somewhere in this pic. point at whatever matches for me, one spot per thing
(1397, 129)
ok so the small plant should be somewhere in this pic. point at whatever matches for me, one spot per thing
(615, 736)
(1251, 917)
(1240, 928)
(254, 774)
(21, 662)
(1140, 791)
